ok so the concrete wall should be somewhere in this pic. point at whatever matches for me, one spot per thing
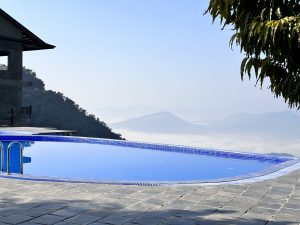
(11, 79)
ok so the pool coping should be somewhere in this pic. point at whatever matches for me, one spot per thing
(283, 162)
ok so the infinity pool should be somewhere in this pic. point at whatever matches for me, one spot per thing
(100, 160)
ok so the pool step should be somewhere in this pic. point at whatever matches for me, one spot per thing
(9, 156)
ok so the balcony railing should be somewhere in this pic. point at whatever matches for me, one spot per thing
(26, 112)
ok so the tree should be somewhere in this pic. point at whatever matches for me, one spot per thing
(268, 33)
(53, 109)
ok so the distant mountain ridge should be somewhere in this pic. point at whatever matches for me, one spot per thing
(161, 122)
(276, 124)
(284, 124)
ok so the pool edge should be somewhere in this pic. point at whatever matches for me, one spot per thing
(287, 162)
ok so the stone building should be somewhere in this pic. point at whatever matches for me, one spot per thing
(14, 39)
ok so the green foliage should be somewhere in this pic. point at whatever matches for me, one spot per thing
(268, 32)
(53, 109)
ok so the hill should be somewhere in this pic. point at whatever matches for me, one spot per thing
(161, 122)
(53, 109)
(275, 124)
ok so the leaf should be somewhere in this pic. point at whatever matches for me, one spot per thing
(249, 66)
(243, 67)
(233, 38)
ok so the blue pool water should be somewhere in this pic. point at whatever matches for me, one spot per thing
(114, 162)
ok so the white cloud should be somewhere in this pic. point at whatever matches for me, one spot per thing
(257, 144)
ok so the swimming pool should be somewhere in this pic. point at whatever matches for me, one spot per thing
(77, 159)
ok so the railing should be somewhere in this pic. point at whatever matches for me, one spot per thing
(2, 156)
(26, 112)
(8, 156)
(21, 156)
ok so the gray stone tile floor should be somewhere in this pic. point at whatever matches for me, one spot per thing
(270, 202)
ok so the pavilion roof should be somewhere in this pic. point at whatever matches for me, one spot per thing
(29, 40)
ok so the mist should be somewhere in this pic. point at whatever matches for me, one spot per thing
(230, 142)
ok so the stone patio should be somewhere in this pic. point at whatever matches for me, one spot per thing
(272, 202)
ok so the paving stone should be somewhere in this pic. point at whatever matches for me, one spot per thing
(131, 201)
(125, 191)
(222, 217)
(282, 223)
(14, 219)
(287, 218)
(199, 208)
(160, 214)
(186, 214)
(97, 213)
(238, 206)
(52, 206)
(295, 197)
(143, 207)
(48, 219)
(204, 221)
(27, 223)
(269, 205)
(8, 211)
(68, 211)
(289, 211)
(98, 223)
(67, 203)
(129, 214)
(64, 223)
(155, 201)
(148, 220)
(274, 200)
(213, 203)
(250, 216)
(82, 219)
(180, 204)
(34, 212)
(196, 195)
(293, 204)
(249, 222)
(263, 211)
(115, 219)
(179, 221)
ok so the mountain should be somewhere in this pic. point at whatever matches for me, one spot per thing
(116, 114)
(161, 122)
(275, 124)
(53, 109)
(283, 124)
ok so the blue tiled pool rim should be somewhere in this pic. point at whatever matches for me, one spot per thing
(281, 161)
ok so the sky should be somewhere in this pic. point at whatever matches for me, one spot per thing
(122, 53)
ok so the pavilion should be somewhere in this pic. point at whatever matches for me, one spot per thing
(14, 39)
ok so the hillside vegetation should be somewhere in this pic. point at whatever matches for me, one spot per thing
(53, 109)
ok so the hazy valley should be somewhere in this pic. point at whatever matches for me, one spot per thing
(275, 132)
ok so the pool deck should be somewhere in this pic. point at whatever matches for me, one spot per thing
(38, 130)
(272, 202)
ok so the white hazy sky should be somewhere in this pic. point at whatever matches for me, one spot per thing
(161, 53)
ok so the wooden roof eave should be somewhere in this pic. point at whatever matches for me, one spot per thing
(29, 40)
